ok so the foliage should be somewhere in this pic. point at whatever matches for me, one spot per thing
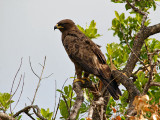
(118, 53)
(145, 110)
(5, 101)
(90, 31)
(46, 114)
(126, 29)
(67, 101)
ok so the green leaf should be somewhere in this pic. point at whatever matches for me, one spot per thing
(66, 90)
(117, 15)
(59, 90)
(127, 7)
(63, 109)
(122, 17)
(157, 78)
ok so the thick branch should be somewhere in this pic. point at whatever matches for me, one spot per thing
(79, 100)
(129, 85)
(4, 116)
(153, 29)
(77, 87)
(155, 84)
(137, 45)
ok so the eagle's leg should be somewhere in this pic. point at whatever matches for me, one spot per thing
(79, 74)
(86, 74)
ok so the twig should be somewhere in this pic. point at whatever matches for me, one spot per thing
(147, 85)
(20, 93)
(13, 84)
(40, 78)
(48, 76)
(138, 11)
(17, 87)
(141, 68)
(55, 97)
(59, 99)
(32, 68)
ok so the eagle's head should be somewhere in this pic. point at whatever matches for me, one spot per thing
(64, 25)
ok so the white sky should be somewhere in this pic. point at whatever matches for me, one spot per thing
(26, 29)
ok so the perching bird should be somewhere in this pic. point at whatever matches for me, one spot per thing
(86, 56)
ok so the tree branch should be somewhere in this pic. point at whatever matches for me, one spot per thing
(137, 45)
(153, 29)
(79, 100)
(138, 11)
(155, 84)
(4, 116)
(129, 85)
(26, 109)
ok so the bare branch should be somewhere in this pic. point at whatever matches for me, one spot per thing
(40, 78)
(48, 76)
(27, 108)
(16, 76)
(32, 68)
(20, 93)
(17, 87)
(13, 84)
(55, 97)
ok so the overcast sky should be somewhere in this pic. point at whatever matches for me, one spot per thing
(26, 29)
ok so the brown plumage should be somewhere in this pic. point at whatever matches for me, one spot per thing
(86, 55)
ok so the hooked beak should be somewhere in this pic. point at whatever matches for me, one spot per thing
(57, 27)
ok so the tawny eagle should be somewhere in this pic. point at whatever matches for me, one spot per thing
(86, 56)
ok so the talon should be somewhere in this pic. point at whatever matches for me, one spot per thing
(79, 80)
(84, 78)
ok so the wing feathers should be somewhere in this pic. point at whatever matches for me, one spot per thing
(86, 53)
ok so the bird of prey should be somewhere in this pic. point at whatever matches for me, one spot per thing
(86, 56)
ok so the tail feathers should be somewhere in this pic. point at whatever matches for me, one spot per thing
(112, 87)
